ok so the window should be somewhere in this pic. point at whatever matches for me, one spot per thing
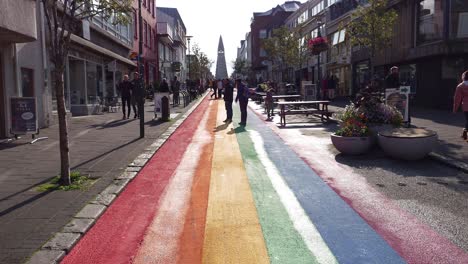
(459, 19)
(27, 82)
(135, 24)
(262, 53)
(145, 36)
(338, 37)
(152, 8)
(430, 20)
(144, 3)
(263, 33)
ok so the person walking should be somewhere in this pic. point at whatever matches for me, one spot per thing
(228, 98)
(220, 88)
(393, 79)
(215, 90)
(135, 84)
(461, 99)
(175, 87)
(125, 88)
(243, 98)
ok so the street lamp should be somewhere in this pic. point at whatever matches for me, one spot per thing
(141, 111)
(188, 40)
(319, 76)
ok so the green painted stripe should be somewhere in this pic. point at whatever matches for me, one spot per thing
(284, 243)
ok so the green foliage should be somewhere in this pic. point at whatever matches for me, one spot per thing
(372, 26)
(282, 47)
(200, 64)
(239, 65)
(78, 182)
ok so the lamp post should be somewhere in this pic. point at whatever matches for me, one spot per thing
(188, 40)
(141, 111)
(319, 75)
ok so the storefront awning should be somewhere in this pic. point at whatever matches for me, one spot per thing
(101, 50)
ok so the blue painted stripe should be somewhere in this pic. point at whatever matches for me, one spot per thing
(347, 235)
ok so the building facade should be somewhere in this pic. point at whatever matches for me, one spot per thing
(23, 60)
(262, 27)
(172, 44)
(149, 57)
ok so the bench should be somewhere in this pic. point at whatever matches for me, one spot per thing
(319, 108)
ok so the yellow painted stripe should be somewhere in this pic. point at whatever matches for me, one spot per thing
(232, 233)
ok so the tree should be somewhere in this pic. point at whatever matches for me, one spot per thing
(63, 18)
(200, 64)
(282, 48)
(372, 26)
(239, 66)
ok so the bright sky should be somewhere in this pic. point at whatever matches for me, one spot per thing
(206, 20)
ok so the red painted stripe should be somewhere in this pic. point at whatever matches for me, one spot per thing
(117, 235)
(414, 240)
(192, 239)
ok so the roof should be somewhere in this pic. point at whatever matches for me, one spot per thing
(288, 6)
(166, 14)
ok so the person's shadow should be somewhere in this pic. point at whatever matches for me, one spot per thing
(237, 130)
(221, 127)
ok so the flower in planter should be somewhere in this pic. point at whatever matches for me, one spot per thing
(353, 124)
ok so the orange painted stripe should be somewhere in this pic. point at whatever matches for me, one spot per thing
(191, 240)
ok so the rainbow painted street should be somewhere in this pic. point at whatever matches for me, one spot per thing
(223, 193)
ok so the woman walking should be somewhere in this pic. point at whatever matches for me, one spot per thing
(461, 99)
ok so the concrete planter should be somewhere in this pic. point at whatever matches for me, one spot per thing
(351, 145)
(407, 143)
(376, 128)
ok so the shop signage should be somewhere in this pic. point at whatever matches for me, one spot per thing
(399, 98)
(309, 90)
(23, 115)
(176, 66)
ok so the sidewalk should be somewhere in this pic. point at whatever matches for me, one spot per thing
(452, 149)
(100, 145)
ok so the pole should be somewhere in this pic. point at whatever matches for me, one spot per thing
(189, 72)
(141, 111)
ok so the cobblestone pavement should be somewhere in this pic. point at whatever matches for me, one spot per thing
(100, 145)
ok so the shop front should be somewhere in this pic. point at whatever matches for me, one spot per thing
(91, 78)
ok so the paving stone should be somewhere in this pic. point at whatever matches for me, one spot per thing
(144, 156)
(78, 225)
(62, 241)
(46, 256)
(91, 211)
(104, 199)
(133, 169)
(138, 163)
(116, 187)
(127, 175)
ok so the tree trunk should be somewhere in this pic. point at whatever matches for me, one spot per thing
(63, 127)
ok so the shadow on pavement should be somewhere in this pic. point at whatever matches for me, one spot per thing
(221, 127)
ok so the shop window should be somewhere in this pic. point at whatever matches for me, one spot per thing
(459, 19)
(27, 82)
(76, 80)
(94, 83)
(430, 20)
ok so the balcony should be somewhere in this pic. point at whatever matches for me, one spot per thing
(18, 21)
(165, 33)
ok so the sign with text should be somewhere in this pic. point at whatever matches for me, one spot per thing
(23, 115)
(399, 98)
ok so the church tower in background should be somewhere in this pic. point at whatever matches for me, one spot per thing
(221, 70)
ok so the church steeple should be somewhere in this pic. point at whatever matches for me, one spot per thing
(221, 70)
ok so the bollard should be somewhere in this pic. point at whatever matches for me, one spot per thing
(165, 109)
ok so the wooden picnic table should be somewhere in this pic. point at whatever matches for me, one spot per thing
(286, 97)
(318, 108)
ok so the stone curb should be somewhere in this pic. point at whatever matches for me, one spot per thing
(460, 165)
(58, 246)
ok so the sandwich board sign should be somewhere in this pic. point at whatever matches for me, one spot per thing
(23, 115)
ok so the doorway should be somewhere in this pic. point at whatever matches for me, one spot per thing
(2, 102)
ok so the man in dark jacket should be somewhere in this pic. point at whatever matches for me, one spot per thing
(136, 93)
(243, 98)
(228, 98)
(393, 79)
(125, 88)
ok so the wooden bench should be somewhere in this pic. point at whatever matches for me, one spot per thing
(319, 108)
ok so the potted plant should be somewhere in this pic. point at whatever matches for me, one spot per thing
(317, 45)
(353, 137)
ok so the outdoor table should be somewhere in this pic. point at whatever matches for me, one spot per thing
(319, 108)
